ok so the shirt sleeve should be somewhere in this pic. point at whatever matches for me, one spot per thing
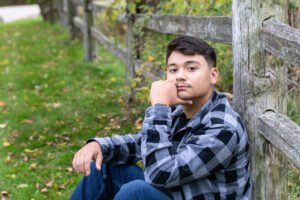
(202, 154)
(120, 149)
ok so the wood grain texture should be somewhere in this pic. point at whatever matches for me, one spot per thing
(78, 22)
(281, 40)
(90, 46)
(213, 28)
(282, 133)
(260, 83)
(109, 44)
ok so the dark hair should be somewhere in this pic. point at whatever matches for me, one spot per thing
(188, 45)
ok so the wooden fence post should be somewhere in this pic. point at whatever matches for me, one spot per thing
(260, 83)
(130, 65)
(72, 12)
(90, 45)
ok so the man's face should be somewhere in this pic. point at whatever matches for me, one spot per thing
(192, 74)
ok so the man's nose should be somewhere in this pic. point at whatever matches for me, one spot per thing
(181, 74)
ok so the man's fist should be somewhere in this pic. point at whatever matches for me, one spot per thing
(165, 92)
(83, 157)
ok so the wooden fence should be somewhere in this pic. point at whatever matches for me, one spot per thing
(263, 47)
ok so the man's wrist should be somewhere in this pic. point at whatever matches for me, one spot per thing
(158, 103)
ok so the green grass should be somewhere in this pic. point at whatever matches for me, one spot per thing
(51, 102)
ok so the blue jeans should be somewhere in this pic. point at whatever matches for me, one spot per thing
(117, 182)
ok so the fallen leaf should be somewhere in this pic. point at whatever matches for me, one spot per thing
(22, 186)
(28, 150)
(50, 183)
(62, 186)
(28, 121)
(69, 169)
(113, 79)
(44, 190)
(5, 194)
(59, 193)
(56, 105)
(3, 125)
(2, 103)
(4, 62)
(33, 166)
(7, 159)
(6, 144)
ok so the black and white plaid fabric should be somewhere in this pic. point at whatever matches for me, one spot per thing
(207, 159)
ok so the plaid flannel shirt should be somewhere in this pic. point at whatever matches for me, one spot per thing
(206, 159)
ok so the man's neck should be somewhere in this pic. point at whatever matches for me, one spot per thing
(190, 110)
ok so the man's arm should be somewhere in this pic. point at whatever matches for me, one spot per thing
(115, 150)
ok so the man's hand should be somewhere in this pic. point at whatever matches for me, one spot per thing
(165, 92)
(83, 157)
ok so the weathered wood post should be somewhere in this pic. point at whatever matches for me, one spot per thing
(130, 65)
(62, 11)
(90, 45)
(72, 12)
(259, 84)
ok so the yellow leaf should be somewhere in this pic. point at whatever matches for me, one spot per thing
(6, 144)
(289, 184)
(4, 62)
(59, 193)
(28, 150)
(113, 79)
(33, 166)
(13, 176)
(55, 185)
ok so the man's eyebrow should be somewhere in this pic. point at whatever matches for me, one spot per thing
(185, 63)
(171, 64)
(191, 61)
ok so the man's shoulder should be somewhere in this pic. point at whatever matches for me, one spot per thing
(222, 114)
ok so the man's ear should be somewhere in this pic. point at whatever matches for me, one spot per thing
(214, 75)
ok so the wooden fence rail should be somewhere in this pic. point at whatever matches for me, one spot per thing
(259, 78)
(282, 40)
(283, 133)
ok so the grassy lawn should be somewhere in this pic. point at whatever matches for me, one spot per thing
(51, 102)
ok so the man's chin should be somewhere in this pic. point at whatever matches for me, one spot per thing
(183, 97)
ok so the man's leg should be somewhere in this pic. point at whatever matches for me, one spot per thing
(106, 183)
(140, 190)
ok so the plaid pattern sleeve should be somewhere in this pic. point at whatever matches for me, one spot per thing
(200, 156)
(120, 149)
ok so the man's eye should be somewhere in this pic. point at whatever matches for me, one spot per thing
(191, 68)
(172, 70)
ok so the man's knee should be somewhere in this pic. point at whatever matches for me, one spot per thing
(133, 189)
(135, 186)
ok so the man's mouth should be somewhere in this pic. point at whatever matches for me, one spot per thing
(181, 87)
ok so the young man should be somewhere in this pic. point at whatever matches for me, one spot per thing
(193, 145)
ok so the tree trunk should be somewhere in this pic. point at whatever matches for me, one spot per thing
(259, 84)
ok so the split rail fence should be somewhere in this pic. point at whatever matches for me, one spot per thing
(263, 47)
